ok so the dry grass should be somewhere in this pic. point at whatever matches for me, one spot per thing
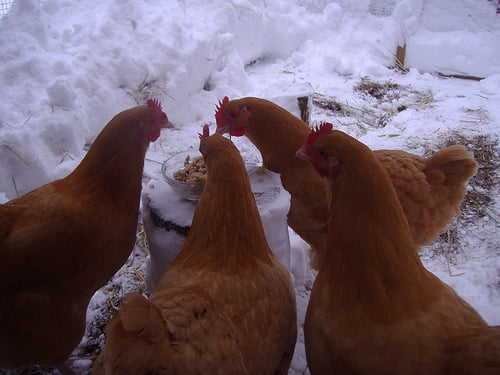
(330, 104)
(17, 154)
(379, 102)
(381, 91)
(147, 89)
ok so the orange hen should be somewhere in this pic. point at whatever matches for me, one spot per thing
(177, 331)
(64, 240)
(226, 256)
(374, 308)
(429, 189)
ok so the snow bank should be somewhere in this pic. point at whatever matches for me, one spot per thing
(72, 66)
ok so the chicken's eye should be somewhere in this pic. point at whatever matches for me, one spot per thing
(322, 152)
(232, 114)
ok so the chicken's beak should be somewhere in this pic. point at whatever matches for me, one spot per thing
(168, 125)
(301, 155)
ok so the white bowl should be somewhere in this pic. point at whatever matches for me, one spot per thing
(187, 190)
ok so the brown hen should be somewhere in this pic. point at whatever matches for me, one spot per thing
(429, 189)
(226, 256)
(177, 331)
(374, 308)
(64, 240)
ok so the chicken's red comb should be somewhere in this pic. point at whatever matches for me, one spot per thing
(206, 132)
(322, 128)
(154, 103)
(218, 110)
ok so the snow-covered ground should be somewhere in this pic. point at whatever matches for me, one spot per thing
(69, 66)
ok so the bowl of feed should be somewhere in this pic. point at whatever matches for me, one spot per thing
(186, 173)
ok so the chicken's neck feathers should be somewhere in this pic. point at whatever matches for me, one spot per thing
(369, 242)
(278, 135)
(226, 227)
(112, 167)
(271, 127)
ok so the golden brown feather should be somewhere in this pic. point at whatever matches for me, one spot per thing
(177, 331)
(62, 241)
(430, 189)
(374, 308)
(227, 256)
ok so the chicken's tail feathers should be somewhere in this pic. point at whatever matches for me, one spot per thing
(134, 334)
(453, 165)
(141, 317)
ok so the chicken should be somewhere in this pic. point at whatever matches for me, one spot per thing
(374, 308)
(429, 189)
(177, 331)
(64, 240)
(226, 256)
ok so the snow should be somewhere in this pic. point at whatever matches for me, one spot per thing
(69, 66)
